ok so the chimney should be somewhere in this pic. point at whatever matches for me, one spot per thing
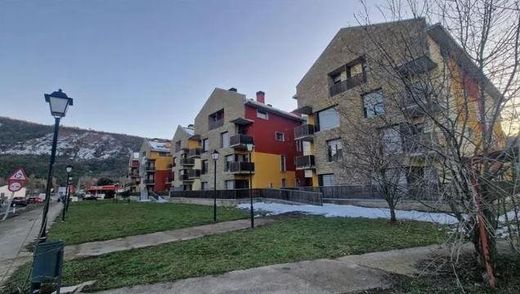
(260, 97)
(233, 90)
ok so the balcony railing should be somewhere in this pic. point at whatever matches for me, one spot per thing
(149, 167)
(213, 124)
(187, 161)
(304, 132)
(195, 152)
(240, 167)
(240, 141)
(149, 181)
(185, 177)
(418, 144)
(305, 162)
(193, 173)
(347, 84)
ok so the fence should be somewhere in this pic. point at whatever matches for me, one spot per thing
(292, 195)
(345, 192)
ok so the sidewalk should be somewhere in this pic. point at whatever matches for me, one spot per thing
(349, 274)
(18, 232)
(153, 239)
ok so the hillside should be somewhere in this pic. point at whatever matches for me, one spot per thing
(91, 152)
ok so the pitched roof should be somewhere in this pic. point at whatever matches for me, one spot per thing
(272, 109)
(159, 146)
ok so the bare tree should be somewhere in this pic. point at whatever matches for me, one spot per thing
(456, 80)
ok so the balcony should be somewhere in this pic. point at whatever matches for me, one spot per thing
(347, 84)
(185, 178)
(305, 162)
(150, 167)
(417, 104)
(240, 167)
(195, 152)
(304, 132)
(149, 182)
(418, 144)
(240, 141)
(187, 161)
(213, 124)
(193, 174)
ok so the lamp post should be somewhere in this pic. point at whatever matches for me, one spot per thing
(66, 199)
(250, 150)
(215, 156)
(58, 103)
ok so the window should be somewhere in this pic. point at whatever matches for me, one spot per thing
(335, 150)
(204, 186)
(204, 166)
(216, 119)
(229, 159)
(283, 163)
(205, 145)
(279, 136)
(392, 141)
(224, 140)
(284, 183)
(327, 119)
(230, 185)
(373, 104)
(326, 180)
(262, 114)
(177, 146)
(299, 147)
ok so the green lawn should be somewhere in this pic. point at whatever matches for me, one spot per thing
(290, 239)
(103, 220)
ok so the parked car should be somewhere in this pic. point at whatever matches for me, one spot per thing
(35, 199)
(19, 201)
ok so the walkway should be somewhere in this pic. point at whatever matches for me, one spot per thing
(16, 233)
(323, 276)
(153, 239)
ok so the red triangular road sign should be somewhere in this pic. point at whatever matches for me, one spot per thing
(18, 175)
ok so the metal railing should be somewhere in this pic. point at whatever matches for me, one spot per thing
(305, 162)
(347, 84)
(193, 173)
(213, 124)
(239, 167)
(240, 140)
(345, 192)
(195, 152)
(303, 131)
(292, 195)
(187, 161)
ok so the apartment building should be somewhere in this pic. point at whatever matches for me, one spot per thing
(134, 179)
(186, 159)
(345, 86)
(156, 162)
(227, 123)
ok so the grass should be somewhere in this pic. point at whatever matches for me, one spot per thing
(103, 220)
(289, 240)
(443, 280)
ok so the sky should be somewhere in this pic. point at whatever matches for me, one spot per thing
(142, 67)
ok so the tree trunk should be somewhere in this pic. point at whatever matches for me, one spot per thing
(393, 219)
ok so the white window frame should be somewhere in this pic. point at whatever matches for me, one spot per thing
(276, 136)
(260, 113)
(373, 104)
(283, 163)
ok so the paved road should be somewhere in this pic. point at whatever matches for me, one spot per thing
(153, 239)
(16, 233)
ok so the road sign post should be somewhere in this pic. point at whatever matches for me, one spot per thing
(15, 183)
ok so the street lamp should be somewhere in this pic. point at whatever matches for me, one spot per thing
(214, 156)
(66, 199)
(250, 150)
(58, 103)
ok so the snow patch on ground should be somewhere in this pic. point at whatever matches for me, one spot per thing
(335, 210)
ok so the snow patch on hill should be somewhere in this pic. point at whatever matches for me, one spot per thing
(84, 145)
